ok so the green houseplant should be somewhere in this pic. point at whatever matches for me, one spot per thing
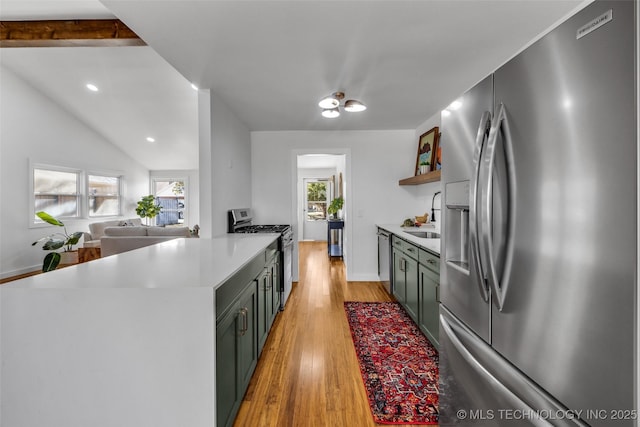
(148, 208)
(55, 241)
(335, 206)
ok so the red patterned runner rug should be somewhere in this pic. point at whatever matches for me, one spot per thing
(399, 366)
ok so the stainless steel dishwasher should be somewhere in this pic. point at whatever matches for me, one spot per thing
(384, 259)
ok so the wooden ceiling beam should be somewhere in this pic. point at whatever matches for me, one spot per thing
(85, 32)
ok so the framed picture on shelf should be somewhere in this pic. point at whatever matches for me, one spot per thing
(436, 161)
(427, 151)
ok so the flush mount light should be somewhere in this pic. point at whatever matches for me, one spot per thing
(193, 86)
(151, 139)
(92, 87)
(354, 106)
(331, 113)
(330, 105)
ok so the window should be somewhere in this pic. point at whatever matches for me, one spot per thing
(104, 195)
(171, 195)
(316, 200)
(57, 191)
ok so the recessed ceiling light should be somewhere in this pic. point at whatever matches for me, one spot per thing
(193, 86)
(150, 139)
(455, 105)
(92, 87)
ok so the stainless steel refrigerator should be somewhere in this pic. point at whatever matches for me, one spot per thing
(538, 315)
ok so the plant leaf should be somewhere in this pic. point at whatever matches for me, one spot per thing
(49, 219)
(74, 238)
(51, 261)
(52, 245)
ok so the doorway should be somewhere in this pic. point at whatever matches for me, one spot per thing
(317, 192)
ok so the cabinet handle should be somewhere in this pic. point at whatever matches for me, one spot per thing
(403, 264)
(245, 322)
(411, 249)
(430, 261)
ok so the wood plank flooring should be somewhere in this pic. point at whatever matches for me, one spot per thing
(308, 373)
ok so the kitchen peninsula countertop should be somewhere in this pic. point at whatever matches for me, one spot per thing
(432, 245)
(177, 263)
(126, 340)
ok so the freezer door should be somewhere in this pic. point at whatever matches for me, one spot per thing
(480, 388)
(568, 314)
(462, 288)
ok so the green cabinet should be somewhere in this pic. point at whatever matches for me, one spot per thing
(399, 278)
(246, 306)
(428, 303)
(268, 299)
(416, 285)
(236, 353)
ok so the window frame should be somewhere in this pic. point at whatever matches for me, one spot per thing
(33, 166)
(328, 195)
(168, 178)
(104, 174)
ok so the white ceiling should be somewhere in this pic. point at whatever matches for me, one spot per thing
(272, 61)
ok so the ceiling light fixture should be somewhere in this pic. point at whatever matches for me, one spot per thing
(193, 86)
(330, 105)
(150, 139)
(92, 87)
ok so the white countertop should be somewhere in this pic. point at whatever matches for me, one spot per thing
(178, 263)
(432, 245)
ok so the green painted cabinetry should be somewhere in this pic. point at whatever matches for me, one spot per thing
(246, 306)
(236, 353)
(416, 284)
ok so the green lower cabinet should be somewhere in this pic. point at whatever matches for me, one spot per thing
(399, 280)
(429, 287)
(236, 354)
(264, 300)
(411, 287)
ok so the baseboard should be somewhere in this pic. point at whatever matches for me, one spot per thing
(26, 270)
(364, 278)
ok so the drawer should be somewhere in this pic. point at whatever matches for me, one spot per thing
(397, 242)
(429, 260)
(411, 250)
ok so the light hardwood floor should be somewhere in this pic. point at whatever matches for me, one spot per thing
(308, 373)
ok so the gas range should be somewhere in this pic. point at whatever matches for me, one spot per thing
(240, 221)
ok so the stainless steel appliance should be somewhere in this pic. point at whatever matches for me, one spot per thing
(384, 259)
(240, 221)
(538, 315)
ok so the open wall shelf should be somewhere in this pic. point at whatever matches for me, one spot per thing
(421, 179)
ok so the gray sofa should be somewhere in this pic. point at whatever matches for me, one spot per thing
(120, 239)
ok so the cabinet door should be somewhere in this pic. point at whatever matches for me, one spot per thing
(411, 287)
(428, 304)
(399, 291)
(227, 368)
(247, 338)
(263, 312)
(276, 282)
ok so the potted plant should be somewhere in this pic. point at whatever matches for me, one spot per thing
(147, 208)
(335, 206)
(55, 241)
(424, 167)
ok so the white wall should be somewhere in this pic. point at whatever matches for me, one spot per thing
(33, 127)
(193, 191)
(375, 162)
(225, 164)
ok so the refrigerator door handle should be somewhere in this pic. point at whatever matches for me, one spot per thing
(500, 125)
(481, 138)
(504, 380)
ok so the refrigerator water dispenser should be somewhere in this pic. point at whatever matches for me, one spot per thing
(457, 225)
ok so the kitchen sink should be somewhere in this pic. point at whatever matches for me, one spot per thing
(424, 234)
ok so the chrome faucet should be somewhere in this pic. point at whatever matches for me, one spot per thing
(433, 211)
